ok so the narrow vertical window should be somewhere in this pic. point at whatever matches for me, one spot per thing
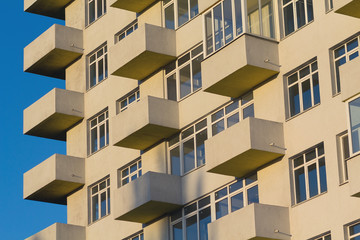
(99, 131)
(97, 68)
(99, 197)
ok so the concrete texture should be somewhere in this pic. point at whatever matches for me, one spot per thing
(60, 231)
(350, 76)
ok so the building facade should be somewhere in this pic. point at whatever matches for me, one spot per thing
(199, 119)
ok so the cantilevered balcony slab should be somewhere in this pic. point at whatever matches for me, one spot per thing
(60, 231)
(240, 66)
(50, 8)
(253, 222)
(353, 167)
(132, 5)
(350, 79)
(143, 52)
(148, 197)
(53, 51)
(245, 147)
(145, 123)
(53, 114)
(347, 7)
(54, 179)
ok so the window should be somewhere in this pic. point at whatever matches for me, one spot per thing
(183, 76)
(329, 5)
(354, 125)
(126, 32)
(95, 8)
(99, 131)
(343, 146)
(309, 173)
(326, 236)
(137, 236)
(226, 21)
(179, 12)
(187, 149)
(132, 97)
(303, 89)
(98, 66)
(353, 231)
(296, 13)
(343, 54)
(130, 173)
(191, 221)
(99, 199)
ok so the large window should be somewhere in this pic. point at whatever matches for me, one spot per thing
(99, 131)
(130, 172)
(353, 231)
(231, 18)
(343, 54)
(191, 222)
(354, 124)
(178, 12)
(296, 13)
(309, 173)
(187, 149)
(99, 194)
(95, 9)
(183, 76)
(303, 89)
(97, 66)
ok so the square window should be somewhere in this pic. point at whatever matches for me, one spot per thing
(129, 172)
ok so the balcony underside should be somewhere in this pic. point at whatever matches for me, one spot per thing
(348, 7)
(49, 8)
(132, 5)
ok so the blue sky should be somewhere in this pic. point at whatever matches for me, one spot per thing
(19, 153)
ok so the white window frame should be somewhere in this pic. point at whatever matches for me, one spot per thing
(126, 31)
(105, 190)
(324, 236)
(347, 230)
(96, 16)
(329, 5)
(305, 166)
(136, 236)
(177, 141)
(352, 153)
(99, 123)
(343, 139)
(299, 82)
(176, 70)
(176, 16)
(94, 58)
(129, 99)
(130, 172)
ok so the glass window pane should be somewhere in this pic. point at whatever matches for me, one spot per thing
(203, 202)
(298, 161)
(267, 18)
(191, 208)
(204, 220)
(99, 8)
(218, 27)
(102, 136)
(232, 107)
(306, 94)
(300, 13)
(293, 78)
(228, 21)
(171, 87)
(95, 208)
(354, 55)
(300, 185)
(313, 183)
(103, 204)
(221, 193)
(339, 52)
(125, 172)
(196, 73)
(253, 195)
(92, 74)
(201, 125)
(200, 147)
(219, 114)
(92, 11)
(194, 8)
(95, 189)
(316, 88)
(253, 16)
(191, 228)
(184, 59)
(177, 231)
(310, 10)
(322, 172)
(222, 208)
(304, 72)
(100, 70)
(188, 153)
(294, 100)
(237, 202)
(169, 17)
(125, 181)
(94, 142)
(289, 19)
(218, 127)
(102, 185)
(238, 16)
(187, 132)
(197, 51)
(133, 168)
(248, 111)
(185, 81)
(310, 155)
(175, 161)
(183, 12)
(354, 229)
(108, 198)
(251, 179)
(132, 98)
(209, 33)
(338, 63)
(352, 45)
(232, 120)
(236, 186)
(354, 111)
(106, 66)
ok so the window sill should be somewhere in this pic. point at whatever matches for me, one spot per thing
(292, 117)
(91, 154)
(92, 23)
(190, 94)
(193, 170)
(291, 34)
(305, 201)
(87, 90)
(98, 220)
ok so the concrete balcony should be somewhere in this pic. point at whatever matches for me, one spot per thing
(53, 114)
(50, 8)
(132, 5)
(353, 167)
(240, 66)
(348, 7)
(148, 197)
(145, 123)
(254, 143)
(60, 231)
(254, 222)
(350, 79)
(53, 51)
(143, 52)
(54, 179)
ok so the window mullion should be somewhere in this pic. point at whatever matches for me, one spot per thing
(260, 18)
(306, 179)
(294, 14)
(318, 173)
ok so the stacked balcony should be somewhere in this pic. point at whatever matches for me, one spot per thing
(148, 197)
(50, 8)
(54, 179)
(145, 123)
(348, 7)
(240, 66)
(60, 231)
(350, 84)
(143, 52)
(53, 51)
(132, 5)
(254, 222)
(53, 114)
(254, 143)
(353, 166)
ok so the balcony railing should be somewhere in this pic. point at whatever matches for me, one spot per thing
(54, 179)
(254, 143)
(60, 231)
(53, 51)
(50, 8)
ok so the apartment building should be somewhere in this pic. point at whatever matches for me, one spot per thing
(199, 119)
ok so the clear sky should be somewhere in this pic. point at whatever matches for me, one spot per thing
(19, 153)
